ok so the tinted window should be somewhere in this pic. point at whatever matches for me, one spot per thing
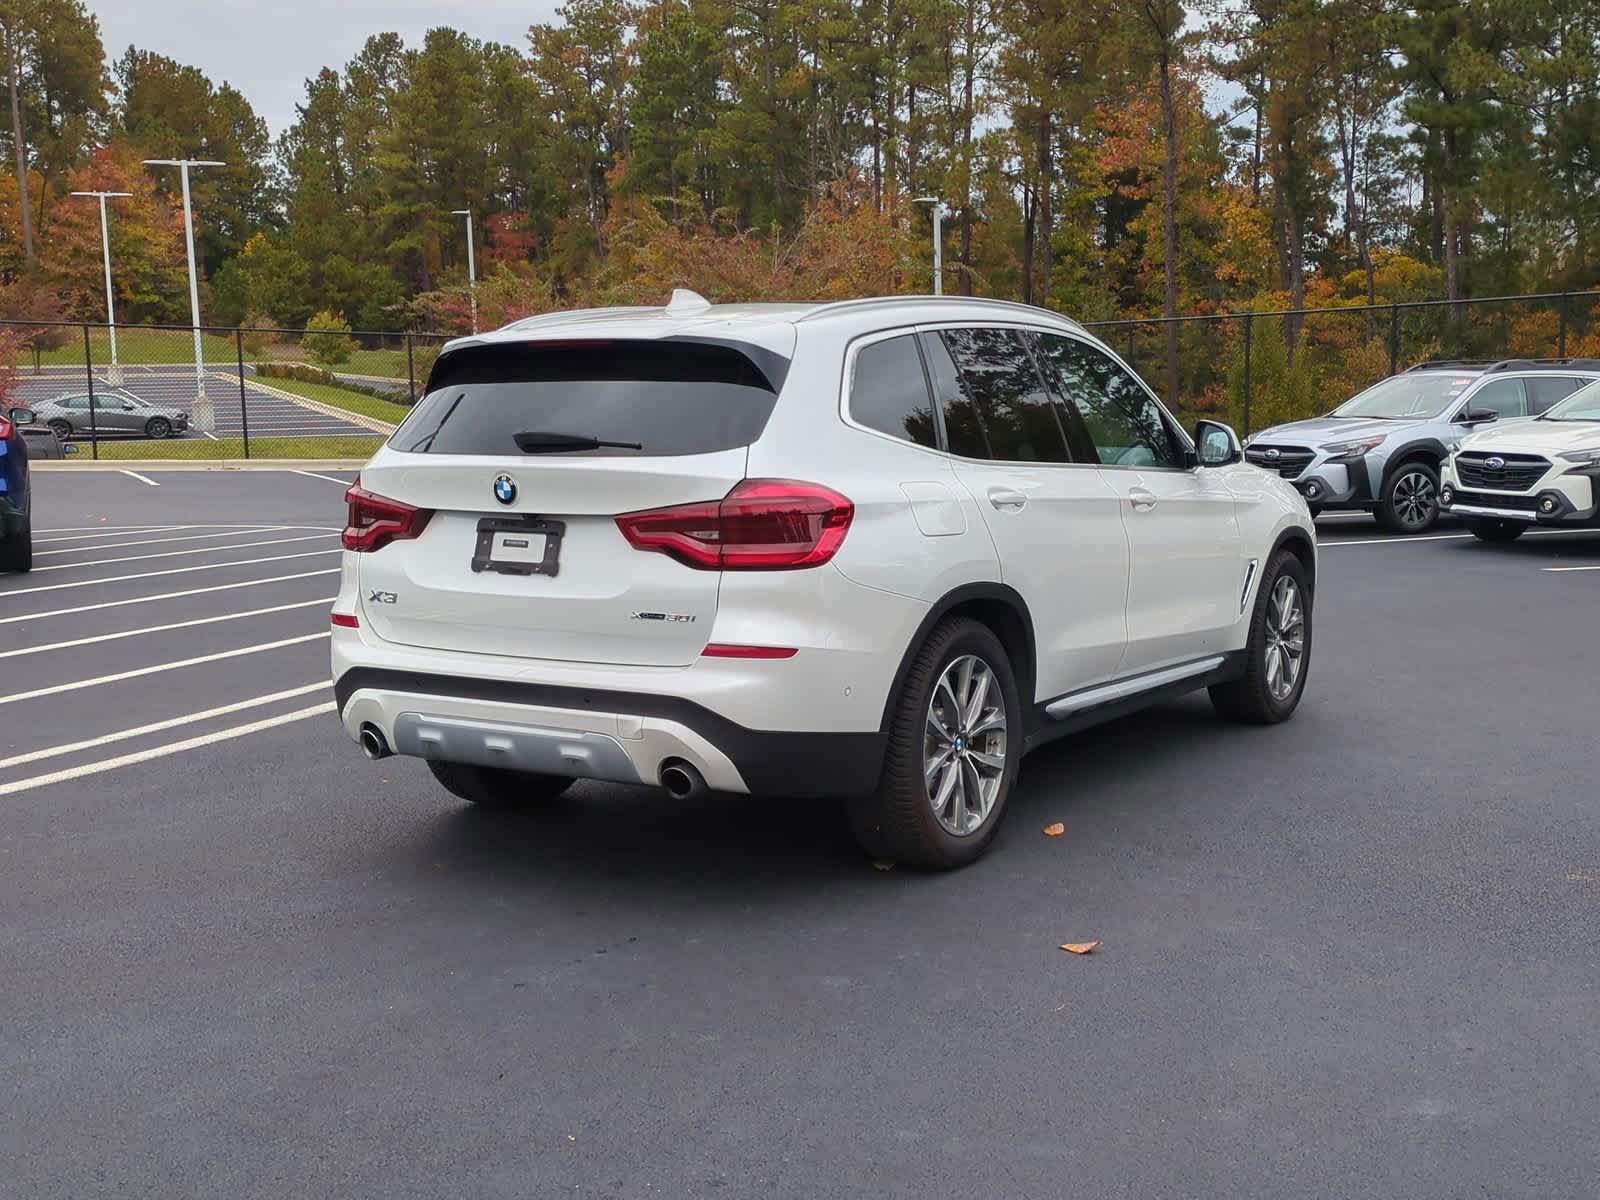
(889, 393)
(963, 434)
(1015, 412)
(1503, 396)
(1545, 390)
(1127, 426)
(670, 397)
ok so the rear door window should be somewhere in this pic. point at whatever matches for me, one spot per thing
(649, 398)
(997, 381)
(889, 392)
(1545, 390)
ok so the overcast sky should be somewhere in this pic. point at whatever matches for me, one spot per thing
(269, 48)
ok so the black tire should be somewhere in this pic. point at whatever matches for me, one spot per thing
(1497, 531)
(61, 428)
(897, 821)
(16, 547)
(1250, 699)
(158, 427)
(493, 787)
(1410, 501)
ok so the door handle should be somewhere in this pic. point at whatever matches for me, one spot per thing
(1142, 500)
(1007, 499)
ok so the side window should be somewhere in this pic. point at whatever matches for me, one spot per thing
(1014, 409)
(962, 431)
(1127, 427)
(1545, 390)
(1503, 396)
(889, 393)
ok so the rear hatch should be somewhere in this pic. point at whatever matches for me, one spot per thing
(519, 553)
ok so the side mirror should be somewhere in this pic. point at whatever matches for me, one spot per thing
(1216, 444)
(127, 406)
(24, 416)
(1479, 416)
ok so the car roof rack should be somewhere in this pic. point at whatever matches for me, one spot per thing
(1492, 366)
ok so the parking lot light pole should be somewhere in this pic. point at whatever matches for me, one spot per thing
(114, 375)
(472, 266)
(203, 418)
(939, 214)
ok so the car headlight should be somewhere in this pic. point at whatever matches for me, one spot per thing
(1583, 458)
(1354, 449)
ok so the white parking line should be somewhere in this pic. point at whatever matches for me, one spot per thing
(106, 562)
(111, 531)
(314, 475)
(141, 478)
(139, 756)
(221, 587)
(1439, 537)
(1564, 570)
(158, 668)
(190, 537)
(128, 633)
(122, 735)
(83, 531)
(244, 562)
(111, 528)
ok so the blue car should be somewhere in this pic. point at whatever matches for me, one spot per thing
(16, 528)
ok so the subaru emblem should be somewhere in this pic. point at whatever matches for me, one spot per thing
(505, 489)
(1274, 453)
(1495, 463)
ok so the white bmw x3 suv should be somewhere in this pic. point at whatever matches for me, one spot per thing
(874, 550)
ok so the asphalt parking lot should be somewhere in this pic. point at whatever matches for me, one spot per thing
(1352, 955)
(271, 411)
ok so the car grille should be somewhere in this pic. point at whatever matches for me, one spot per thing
(1288, 461)
(1520, 472)
(1492, 500)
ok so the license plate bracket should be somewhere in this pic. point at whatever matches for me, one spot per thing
(497, 545)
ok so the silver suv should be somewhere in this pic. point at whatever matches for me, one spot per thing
(1380, 451)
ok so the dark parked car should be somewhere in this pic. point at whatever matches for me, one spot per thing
(115, 412)
(16, 527)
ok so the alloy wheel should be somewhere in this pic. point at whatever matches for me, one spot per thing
(1286, 638)
(964, 747)
(1415, 499)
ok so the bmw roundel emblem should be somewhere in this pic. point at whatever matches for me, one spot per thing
(505, 489)
(1495, 463)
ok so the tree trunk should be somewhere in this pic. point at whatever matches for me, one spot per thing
(1029, 205)
(13, 52)
(966, 146)
(1169, 219)
(1045, 204)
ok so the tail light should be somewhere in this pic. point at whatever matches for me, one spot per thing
(762, 524)
(375, 520)
(6, 429)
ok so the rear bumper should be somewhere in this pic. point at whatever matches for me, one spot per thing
(621, 737)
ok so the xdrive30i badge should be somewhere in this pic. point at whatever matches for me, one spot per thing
(671, 618)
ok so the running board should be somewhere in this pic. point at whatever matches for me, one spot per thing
(1122, 689)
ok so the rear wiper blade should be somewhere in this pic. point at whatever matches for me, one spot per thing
(538, 442)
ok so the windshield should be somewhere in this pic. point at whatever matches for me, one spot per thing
(1421, 395)
(1582, 405)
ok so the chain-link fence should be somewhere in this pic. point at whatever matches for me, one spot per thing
(163, 392)
(146, 391)
(1257, 369)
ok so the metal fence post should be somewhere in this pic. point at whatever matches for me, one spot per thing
(244, 408)
(411, 372)
(1132, 329)
(1394, 339)
(1561, 329)
(88, 370)
(1248, 321)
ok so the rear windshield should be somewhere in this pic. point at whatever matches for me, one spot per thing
(542, 399)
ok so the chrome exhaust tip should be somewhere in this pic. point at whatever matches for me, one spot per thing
(681, 780)
(372, 742)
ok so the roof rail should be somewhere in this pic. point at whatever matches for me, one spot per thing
(1435, 364)
(1544, 364)
(828, 309)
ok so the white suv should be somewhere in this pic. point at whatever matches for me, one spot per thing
(874, 550)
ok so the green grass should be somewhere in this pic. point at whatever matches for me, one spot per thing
(138, 346)
(338, 397)
(198, 449)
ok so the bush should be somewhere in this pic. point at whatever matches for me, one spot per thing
(328, 339)
(304, 372)
(259, 332)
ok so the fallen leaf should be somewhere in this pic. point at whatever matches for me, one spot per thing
(1055, 830)
(1081, 947)
(880, 865)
